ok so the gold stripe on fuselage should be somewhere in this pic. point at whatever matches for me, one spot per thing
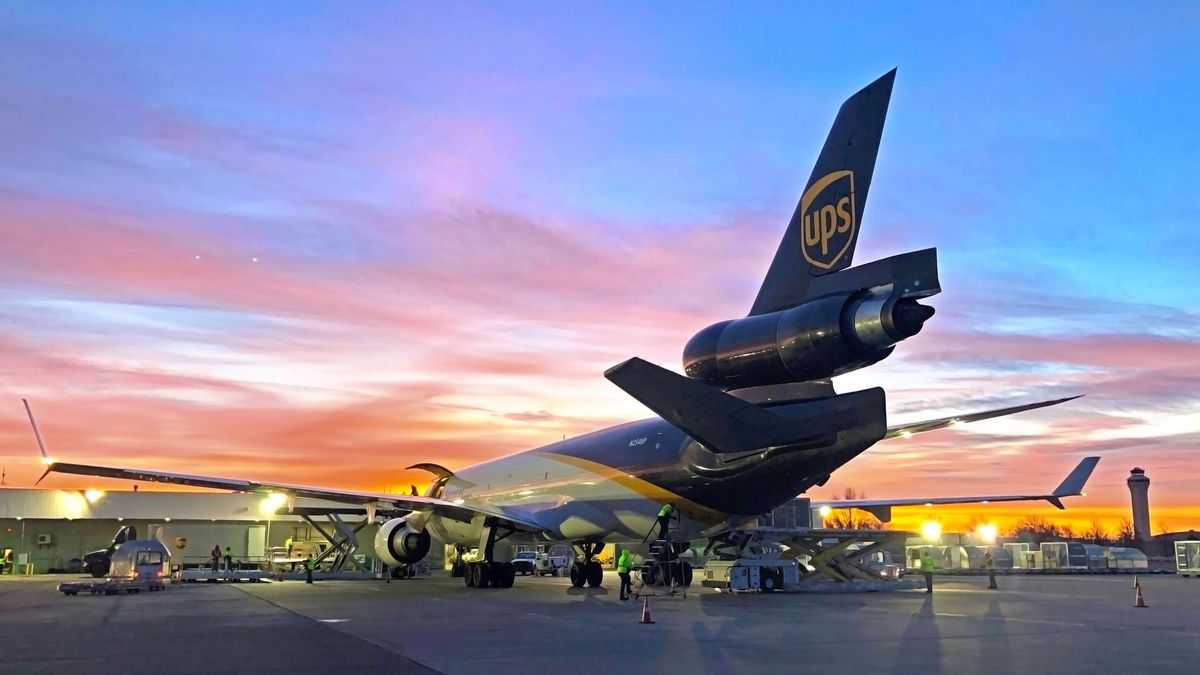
(642, 487)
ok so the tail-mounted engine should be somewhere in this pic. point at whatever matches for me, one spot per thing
(855, 318)
(396, 543)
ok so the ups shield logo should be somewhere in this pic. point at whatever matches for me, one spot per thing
(827, 207)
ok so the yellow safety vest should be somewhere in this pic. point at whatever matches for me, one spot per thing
(624, 564)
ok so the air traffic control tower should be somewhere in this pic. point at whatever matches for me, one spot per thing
(1139, 492)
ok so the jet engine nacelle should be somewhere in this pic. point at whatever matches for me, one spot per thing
(396, 543)
(823, 337)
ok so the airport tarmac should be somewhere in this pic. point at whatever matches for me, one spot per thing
(1059, 624)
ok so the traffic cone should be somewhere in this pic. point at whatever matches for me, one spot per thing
(1138, 600)
(646, 611)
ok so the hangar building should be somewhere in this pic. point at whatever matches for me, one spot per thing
(53, 529)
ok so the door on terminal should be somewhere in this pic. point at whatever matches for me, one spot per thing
(256, 542)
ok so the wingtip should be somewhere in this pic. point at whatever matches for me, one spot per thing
(608, 374)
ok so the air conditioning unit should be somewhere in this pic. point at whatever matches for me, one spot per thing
(45, 539)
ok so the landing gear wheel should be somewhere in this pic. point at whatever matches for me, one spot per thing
(468, 574)
(509, 575)
(687, 575)
(677, 574)
(649, 575)
(456, 570)
(578, 575)
(483, 576)
(595, 574)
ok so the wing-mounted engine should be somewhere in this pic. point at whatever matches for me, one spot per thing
(855, 318)
(398, 543)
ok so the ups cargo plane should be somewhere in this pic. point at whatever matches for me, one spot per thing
(753, 423)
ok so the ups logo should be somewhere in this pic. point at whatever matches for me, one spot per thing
(827, 207)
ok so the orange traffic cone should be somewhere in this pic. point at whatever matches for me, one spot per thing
(646, 611)
(1138, 600)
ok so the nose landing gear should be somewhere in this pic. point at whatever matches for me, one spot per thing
(585, 570)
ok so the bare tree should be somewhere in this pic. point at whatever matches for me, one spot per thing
(1036, 529)
(1096, 533)
(1126, 535)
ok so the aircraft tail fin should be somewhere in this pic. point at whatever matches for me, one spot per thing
(821, 236)
(726, 423)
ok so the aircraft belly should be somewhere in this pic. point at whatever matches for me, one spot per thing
(570, 501)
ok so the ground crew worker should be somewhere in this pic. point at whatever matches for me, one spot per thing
(308, 569)
(216, 557)
(664, 520)
(927, 567)
(228, 559)
(624, 564)
(989, 564)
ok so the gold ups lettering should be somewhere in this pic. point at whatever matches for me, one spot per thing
(827, 207)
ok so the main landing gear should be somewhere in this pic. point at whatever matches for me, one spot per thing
(586, 570)
(489, 572)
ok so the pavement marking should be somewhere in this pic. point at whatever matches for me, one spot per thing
(333, 620)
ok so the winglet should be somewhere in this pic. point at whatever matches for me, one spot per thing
(36, 434)
(41, 446)
(1073, 484)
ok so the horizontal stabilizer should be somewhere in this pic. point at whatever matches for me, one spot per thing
(1071, 486)
(942, 422)
(726, 423)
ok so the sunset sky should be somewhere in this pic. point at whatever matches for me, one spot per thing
(318, 247)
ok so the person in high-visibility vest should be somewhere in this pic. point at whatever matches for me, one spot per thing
(308, 569)
(927, 567)
(664, 520)
(624, 564)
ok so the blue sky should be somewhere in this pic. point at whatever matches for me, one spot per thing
(496, 183)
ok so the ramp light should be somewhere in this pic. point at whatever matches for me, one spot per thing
(271, 503)
(987, 533)
(93, 495)
(47, 460)
(825, 510)
(931, 531)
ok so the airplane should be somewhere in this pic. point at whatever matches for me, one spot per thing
(753, 423)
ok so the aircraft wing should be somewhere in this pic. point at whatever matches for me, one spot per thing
(911, 428)
(454, 510)
(1071, 486)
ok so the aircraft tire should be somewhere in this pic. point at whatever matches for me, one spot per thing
(687, 575)
(509, 575)
(468, 575)
(483, 575)
(578, 575)
(650, 575)
(595, 574)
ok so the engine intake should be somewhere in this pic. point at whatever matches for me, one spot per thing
(398, 544)
(818, 339)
